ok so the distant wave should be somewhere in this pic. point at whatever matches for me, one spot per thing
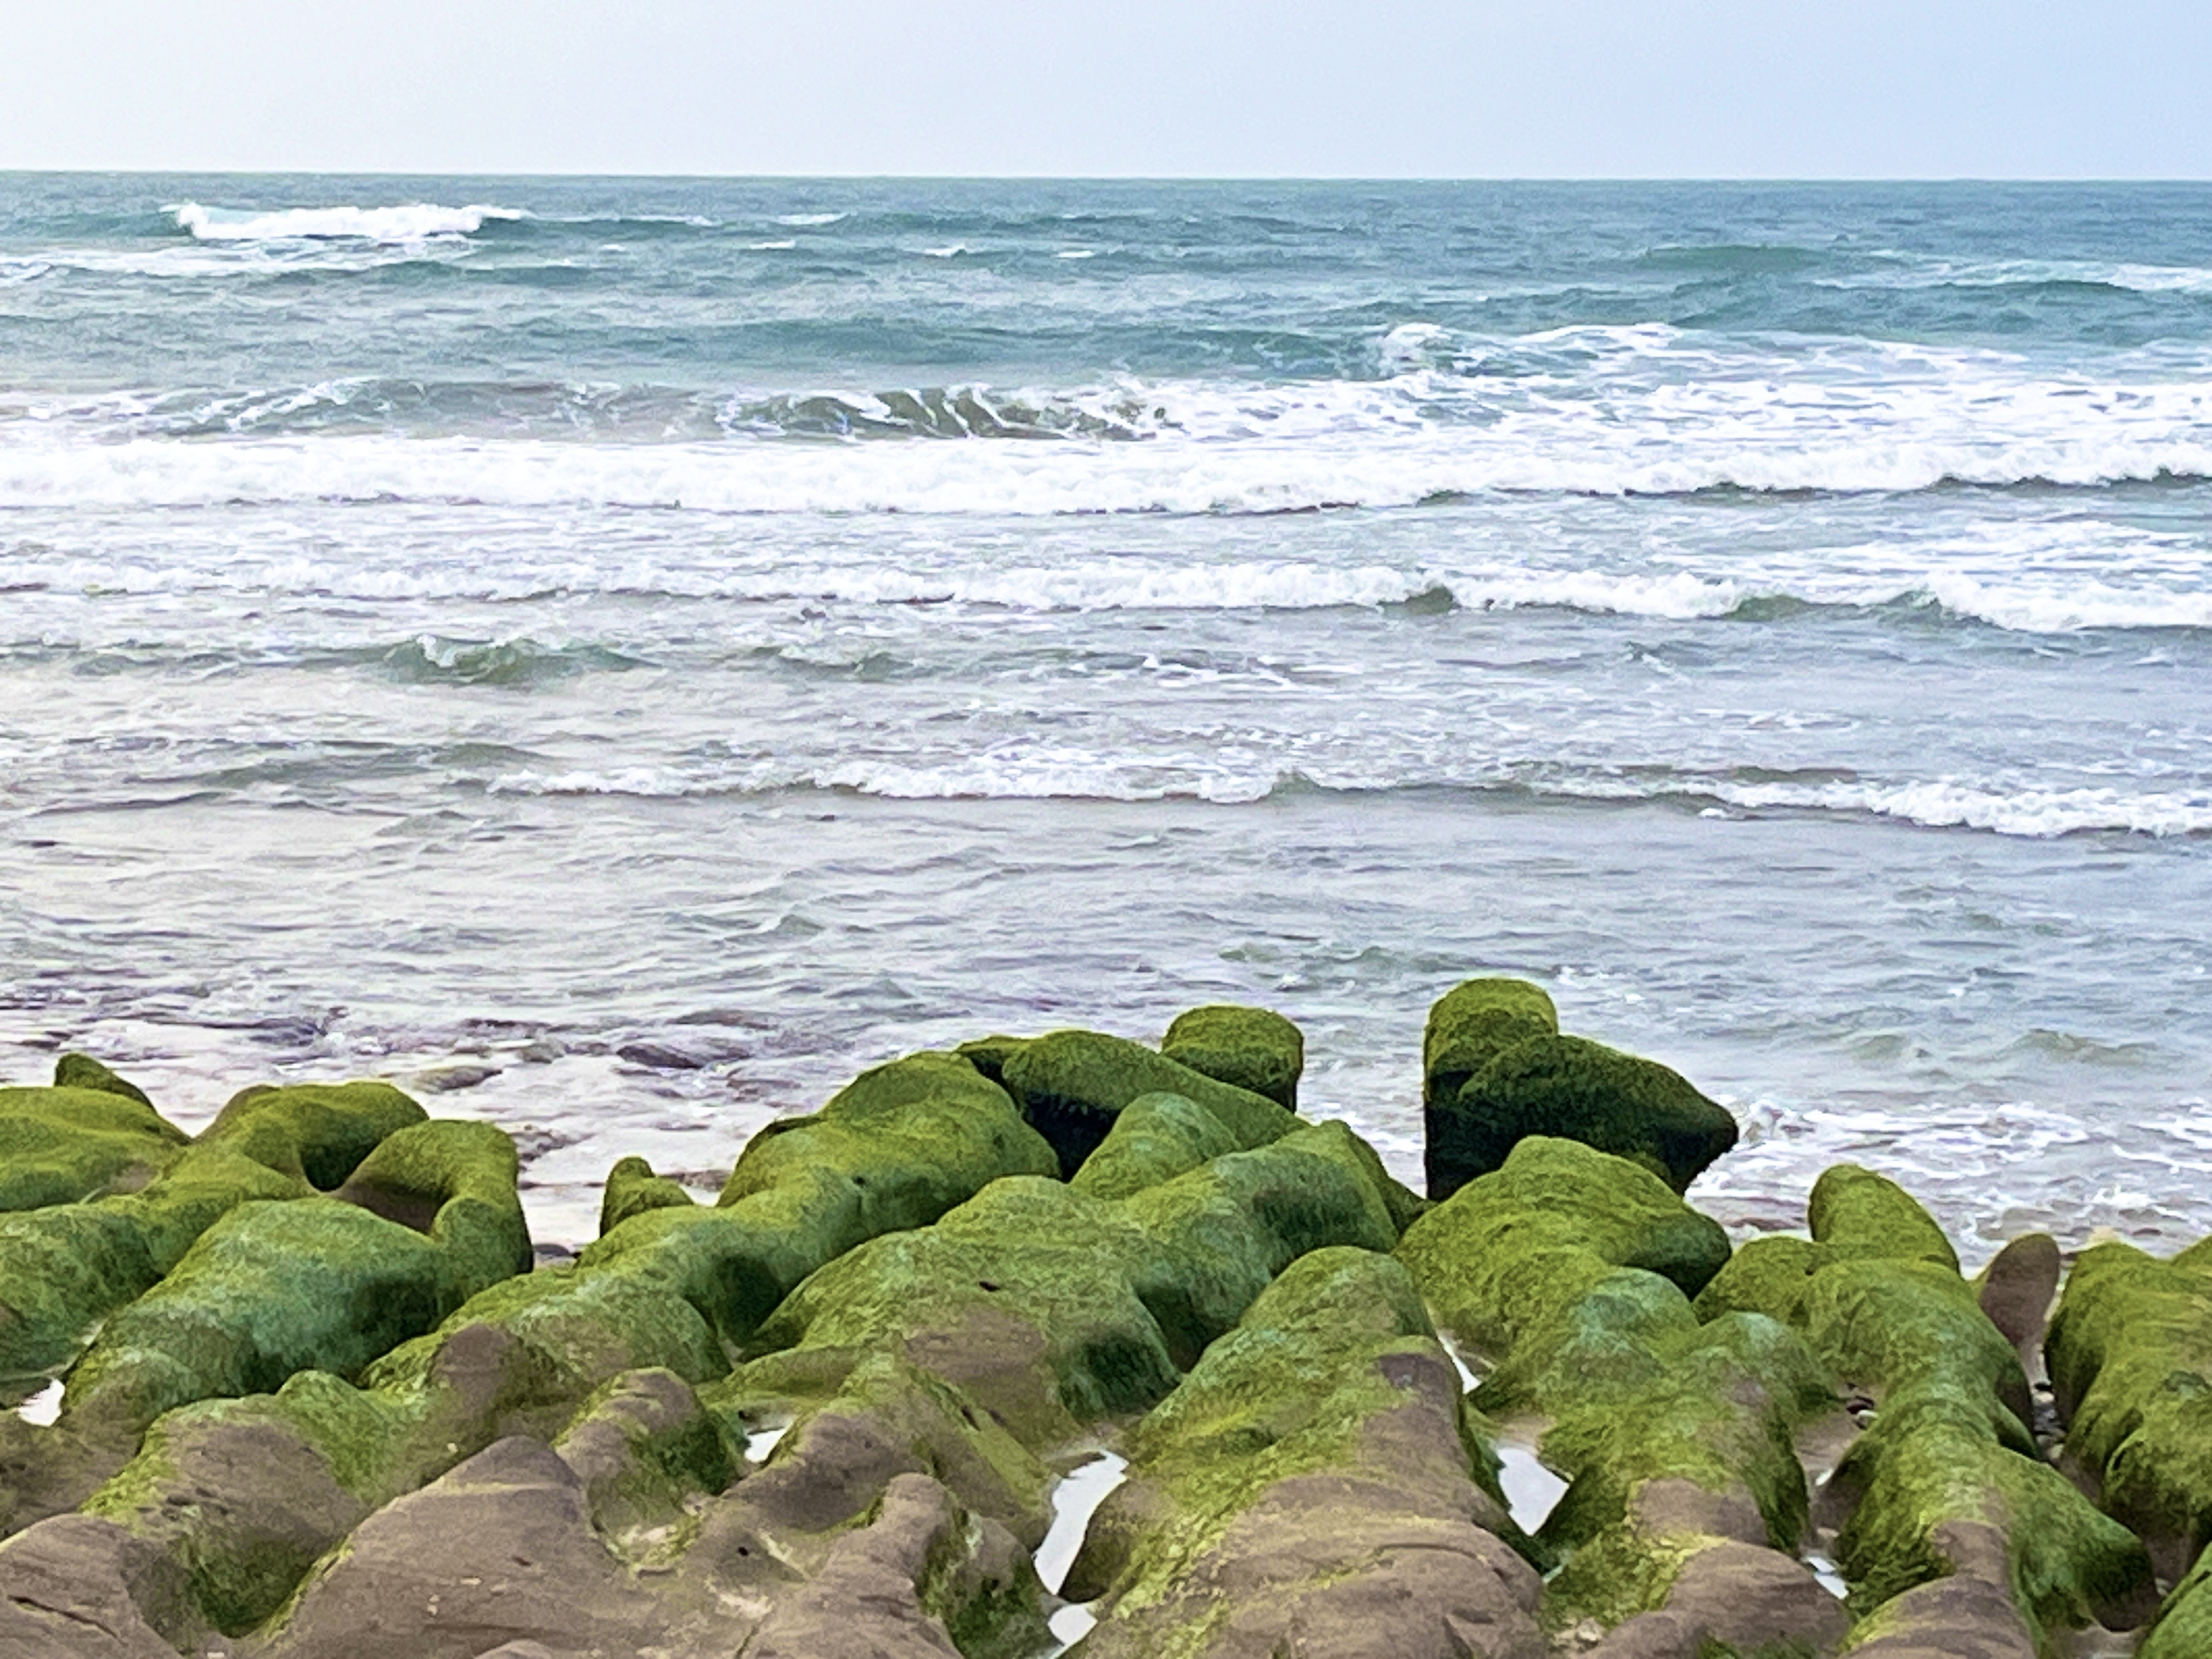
(1181, 476)
(415, 222)
(1920, 271)
(1935, 804)
(2031, 600)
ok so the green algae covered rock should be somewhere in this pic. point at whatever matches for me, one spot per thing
(1948, 1485)
(2183, 1630)
(1853, 1215)
(2131, 1358)
(1571, 1269)
(1314, 1485)
(632, 1188)
(1854, 1209)
(1507, 1251)
(1472, 1024)
(83, 1071)
(1581, 1091)
(1155, 1138)
(317, 1283)
(315, 1132)
(1928, 1471)
(66, 1266)
(1053, 1308)
(1249, 1047)
(1072, 1085)
(69, 1145)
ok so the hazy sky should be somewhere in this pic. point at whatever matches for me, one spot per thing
(2036, 89)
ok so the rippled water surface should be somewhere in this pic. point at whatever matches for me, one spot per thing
(619, 656)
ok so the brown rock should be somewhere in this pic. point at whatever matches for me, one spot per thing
(498, 1550)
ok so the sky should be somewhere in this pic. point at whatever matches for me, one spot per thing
(1423, 88)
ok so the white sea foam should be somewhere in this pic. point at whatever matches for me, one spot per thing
(1917, 271)
(413, 221)
(1046, 773)
(1601, 411)
(808, 219)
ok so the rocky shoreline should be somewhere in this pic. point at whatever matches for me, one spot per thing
(1070, 1343)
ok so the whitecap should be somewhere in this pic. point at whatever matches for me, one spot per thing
(413, 221)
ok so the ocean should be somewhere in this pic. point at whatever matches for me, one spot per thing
(618, 657)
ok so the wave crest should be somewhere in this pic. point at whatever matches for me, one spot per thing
(413, 222)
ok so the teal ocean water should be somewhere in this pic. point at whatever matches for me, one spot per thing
(621, 655)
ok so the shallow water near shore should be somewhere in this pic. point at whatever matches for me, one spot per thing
(619, 656)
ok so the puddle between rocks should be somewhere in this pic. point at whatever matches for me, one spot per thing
(761, 1442)
(1074, 1500)
(43, 1406)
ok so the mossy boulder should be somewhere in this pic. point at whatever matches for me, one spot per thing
(1928, 1471)
(1506, 1253)
(75, 1071)
(1315, 1483)
(1053, 1308)
(1948, 1485)
(1855, 1210)
(1473, 1023)
(1155, 1138)
(1571, 1269)
(318, 1283)
(1252, 1049)
(2183, 1630)
(1573, 1089)
(2131, 1358)
(1853, 1215)
(64, 1267)
(69, 1144)
(632, 1188)
(1072, 1085)
(316, 1132)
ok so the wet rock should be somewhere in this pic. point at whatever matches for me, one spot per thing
(1072, 1085)
(2016, 1291)
(632, 1188)
(919, 1580)
(498, 1550)
(76, 1588)
(1251, 1048)
(1312, 1488)
(325, 1284)
(67, 1145)
(643, 1446)
(2131, 1358)
(1577, 1090)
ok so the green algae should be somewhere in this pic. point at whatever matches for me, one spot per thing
(2131, 1358)
(1572, 1088)
(1509, 1252)
(1155, 1138)
(1857, 1211)
(1473, 1023)
(64, 1268)
(1071, 1085)
(1252, 1049)
(70, 1145)
(317, 1283)
(632, 1188)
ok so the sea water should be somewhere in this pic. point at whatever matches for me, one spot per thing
(618, 657)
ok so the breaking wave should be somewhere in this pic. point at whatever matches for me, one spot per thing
(415, 222)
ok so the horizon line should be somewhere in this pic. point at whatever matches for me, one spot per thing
(856, 177)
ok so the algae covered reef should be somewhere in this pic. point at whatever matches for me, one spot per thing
(1070, 1343)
